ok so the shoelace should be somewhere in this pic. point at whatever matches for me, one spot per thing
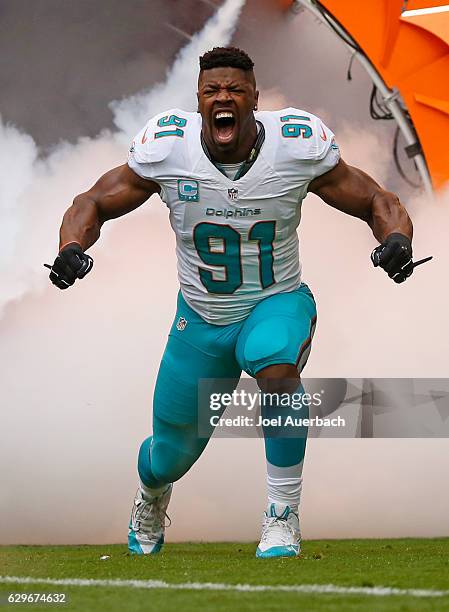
(143, 512)
(282, 526)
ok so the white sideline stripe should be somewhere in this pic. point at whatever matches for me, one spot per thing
(426, 11)
(378, 591)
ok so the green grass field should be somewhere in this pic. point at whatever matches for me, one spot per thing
(401, 564)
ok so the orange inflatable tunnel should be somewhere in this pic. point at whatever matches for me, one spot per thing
(404, 46)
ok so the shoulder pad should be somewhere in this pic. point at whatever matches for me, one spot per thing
(157, 138)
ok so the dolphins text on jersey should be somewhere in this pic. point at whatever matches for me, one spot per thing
(236, 240)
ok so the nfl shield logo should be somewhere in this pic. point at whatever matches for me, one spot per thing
(233, 194)
(181, 324)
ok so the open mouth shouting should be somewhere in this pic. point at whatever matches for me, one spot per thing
(224, 127)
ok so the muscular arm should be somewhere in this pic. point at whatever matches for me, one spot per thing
(116, 193)
(354, 192)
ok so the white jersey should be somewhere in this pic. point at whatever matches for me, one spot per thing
(236, 240)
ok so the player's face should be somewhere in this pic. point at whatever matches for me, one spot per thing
(227, 98)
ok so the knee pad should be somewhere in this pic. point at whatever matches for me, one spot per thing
(174, 449)
(168, 462)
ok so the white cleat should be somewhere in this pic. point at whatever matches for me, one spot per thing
(281, 536)
(147, 524)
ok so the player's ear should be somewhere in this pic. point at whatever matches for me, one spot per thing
(256, 95)
(198, 100)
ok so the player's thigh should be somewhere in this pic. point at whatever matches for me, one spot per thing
(196, 352)
(278, 331)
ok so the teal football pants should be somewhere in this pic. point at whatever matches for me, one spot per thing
(278, 330)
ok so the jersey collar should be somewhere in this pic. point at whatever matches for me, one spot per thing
(253, 154)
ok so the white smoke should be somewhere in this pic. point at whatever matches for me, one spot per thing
(35, 192)
(14, 186)
(131, 113)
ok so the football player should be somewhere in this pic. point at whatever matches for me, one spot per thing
(234, 179)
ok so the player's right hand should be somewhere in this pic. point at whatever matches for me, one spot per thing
(70, 264)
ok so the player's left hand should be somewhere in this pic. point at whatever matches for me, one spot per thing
(395, 256)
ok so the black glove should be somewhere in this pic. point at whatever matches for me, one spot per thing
(395, 256)
(70, 264)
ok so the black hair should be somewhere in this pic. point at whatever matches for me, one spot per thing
(226, 57)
